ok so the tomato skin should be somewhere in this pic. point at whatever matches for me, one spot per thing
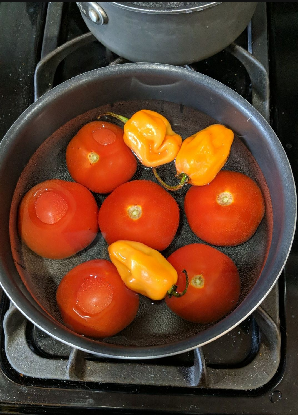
(221, 289)
(225, 225)
(159, 220)
(94, 301)
(116, 163)
(58, 230)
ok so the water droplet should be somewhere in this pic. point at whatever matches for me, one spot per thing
(275, 396)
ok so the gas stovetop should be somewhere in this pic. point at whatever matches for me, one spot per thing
(252, 369)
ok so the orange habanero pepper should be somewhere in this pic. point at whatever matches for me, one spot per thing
(150, 136)
(144, 270)
(202, 156)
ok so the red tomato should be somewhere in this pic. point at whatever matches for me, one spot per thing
(140, 211)
(214, 283)
(98, 158)
(227, 211)
(94, 301)
(58, 218)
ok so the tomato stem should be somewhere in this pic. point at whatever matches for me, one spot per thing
(182, 177)
(173, 290)
(112, 114)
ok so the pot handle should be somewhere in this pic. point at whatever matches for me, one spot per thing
(92, 11)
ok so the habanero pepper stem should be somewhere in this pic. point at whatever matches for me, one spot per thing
(117, 116)
(172, 292)
(183, 179)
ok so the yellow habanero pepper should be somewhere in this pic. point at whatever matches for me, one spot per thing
(144, 270)
(202, 156)
(150, 136)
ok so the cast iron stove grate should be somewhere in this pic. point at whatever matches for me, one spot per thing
(243, 361)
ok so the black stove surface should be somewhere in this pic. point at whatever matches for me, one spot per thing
(253, 369)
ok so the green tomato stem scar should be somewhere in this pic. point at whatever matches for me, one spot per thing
(93, 157)
(134, 212)
(225, 199)
(197, 281)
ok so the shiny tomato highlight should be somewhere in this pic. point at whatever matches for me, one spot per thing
(226, 212)
(94, 301)
(98, 158)
(57, 218)
(140, 211)
(214, 283)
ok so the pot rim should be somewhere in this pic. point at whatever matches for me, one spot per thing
(145, 10)
(261, 289)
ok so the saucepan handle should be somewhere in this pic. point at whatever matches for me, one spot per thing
(93, 12)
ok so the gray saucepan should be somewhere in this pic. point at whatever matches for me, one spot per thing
(34, 150)
(166, 32)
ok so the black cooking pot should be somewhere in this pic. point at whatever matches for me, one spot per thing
(166, 32)
(34, 150)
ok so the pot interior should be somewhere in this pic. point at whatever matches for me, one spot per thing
(155, 324)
